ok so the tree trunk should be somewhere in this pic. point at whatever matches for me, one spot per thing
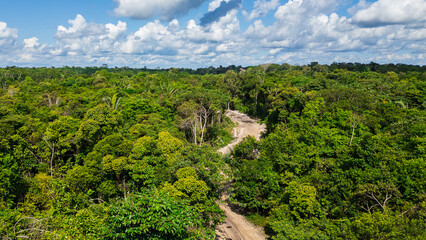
(52, 150)
(203, 124)
(352, 137)
(194, 131)
(354, 120)
(124, 187)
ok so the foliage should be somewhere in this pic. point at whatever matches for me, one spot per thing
(342, 158)
(152, 215)
(339, 153)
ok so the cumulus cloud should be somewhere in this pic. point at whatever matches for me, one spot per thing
(79, 29)
(220, 11)
(31, 42)
(158, 38)
(166, 10)
(8, 35)
(32, 51)
(300, 24)
(189, 44)
(84, 37)
(261, 8)
(32, 46)
(311, 29)
(302, 31)
(153, 37)
(115, 31)
(387, 12)
(362, 4)
(155, 43)
(215, 4)
(226, 28)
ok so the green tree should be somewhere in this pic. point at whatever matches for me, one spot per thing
(152, 215)
(98, 123)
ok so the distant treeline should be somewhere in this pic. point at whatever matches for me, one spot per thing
(355, 67)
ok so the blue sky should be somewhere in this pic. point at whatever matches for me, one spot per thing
(201, 33)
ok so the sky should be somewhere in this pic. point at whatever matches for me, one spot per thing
(203, 33)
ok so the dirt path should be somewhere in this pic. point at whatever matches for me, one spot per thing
(246, 127)
(236, 227)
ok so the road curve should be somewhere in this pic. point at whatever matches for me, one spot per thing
(236, 227)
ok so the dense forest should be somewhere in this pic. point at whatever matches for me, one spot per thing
(122, 153)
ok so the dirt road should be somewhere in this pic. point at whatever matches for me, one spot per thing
(246, 127)
(236, 227)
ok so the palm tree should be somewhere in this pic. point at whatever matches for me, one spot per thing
(113, 102)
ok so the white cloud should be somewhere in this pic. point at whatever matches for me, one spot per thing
(215, 4)
(225, 29)
(88, 38)
(387, 12)
(300, 24)
(193, 42)
(6, 32)
(153, 37)
(116, 31)
(32, 49)
(166, 10)
(258, 30)
(261, 8)
(302, 31)
(31, 43)
(189, 45)
(362, 4)
(173, 25)
(25, 58)
(221, 11)
(297, 10)
(399, 57)
(80, 28)
(8, 35)
(310, 29)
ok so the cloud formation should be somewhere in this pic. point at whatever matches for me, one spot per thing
(7, 35)
(166, 10)
(31, 43)
(215, 4)
(301, 24)
(87, 38)
(300, 31)
(220, 11)
(261, 8)
(388, 12)
(80, 28)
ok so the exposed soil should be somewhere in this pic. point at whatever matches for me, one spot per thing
(236, 227)
(246, 127)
